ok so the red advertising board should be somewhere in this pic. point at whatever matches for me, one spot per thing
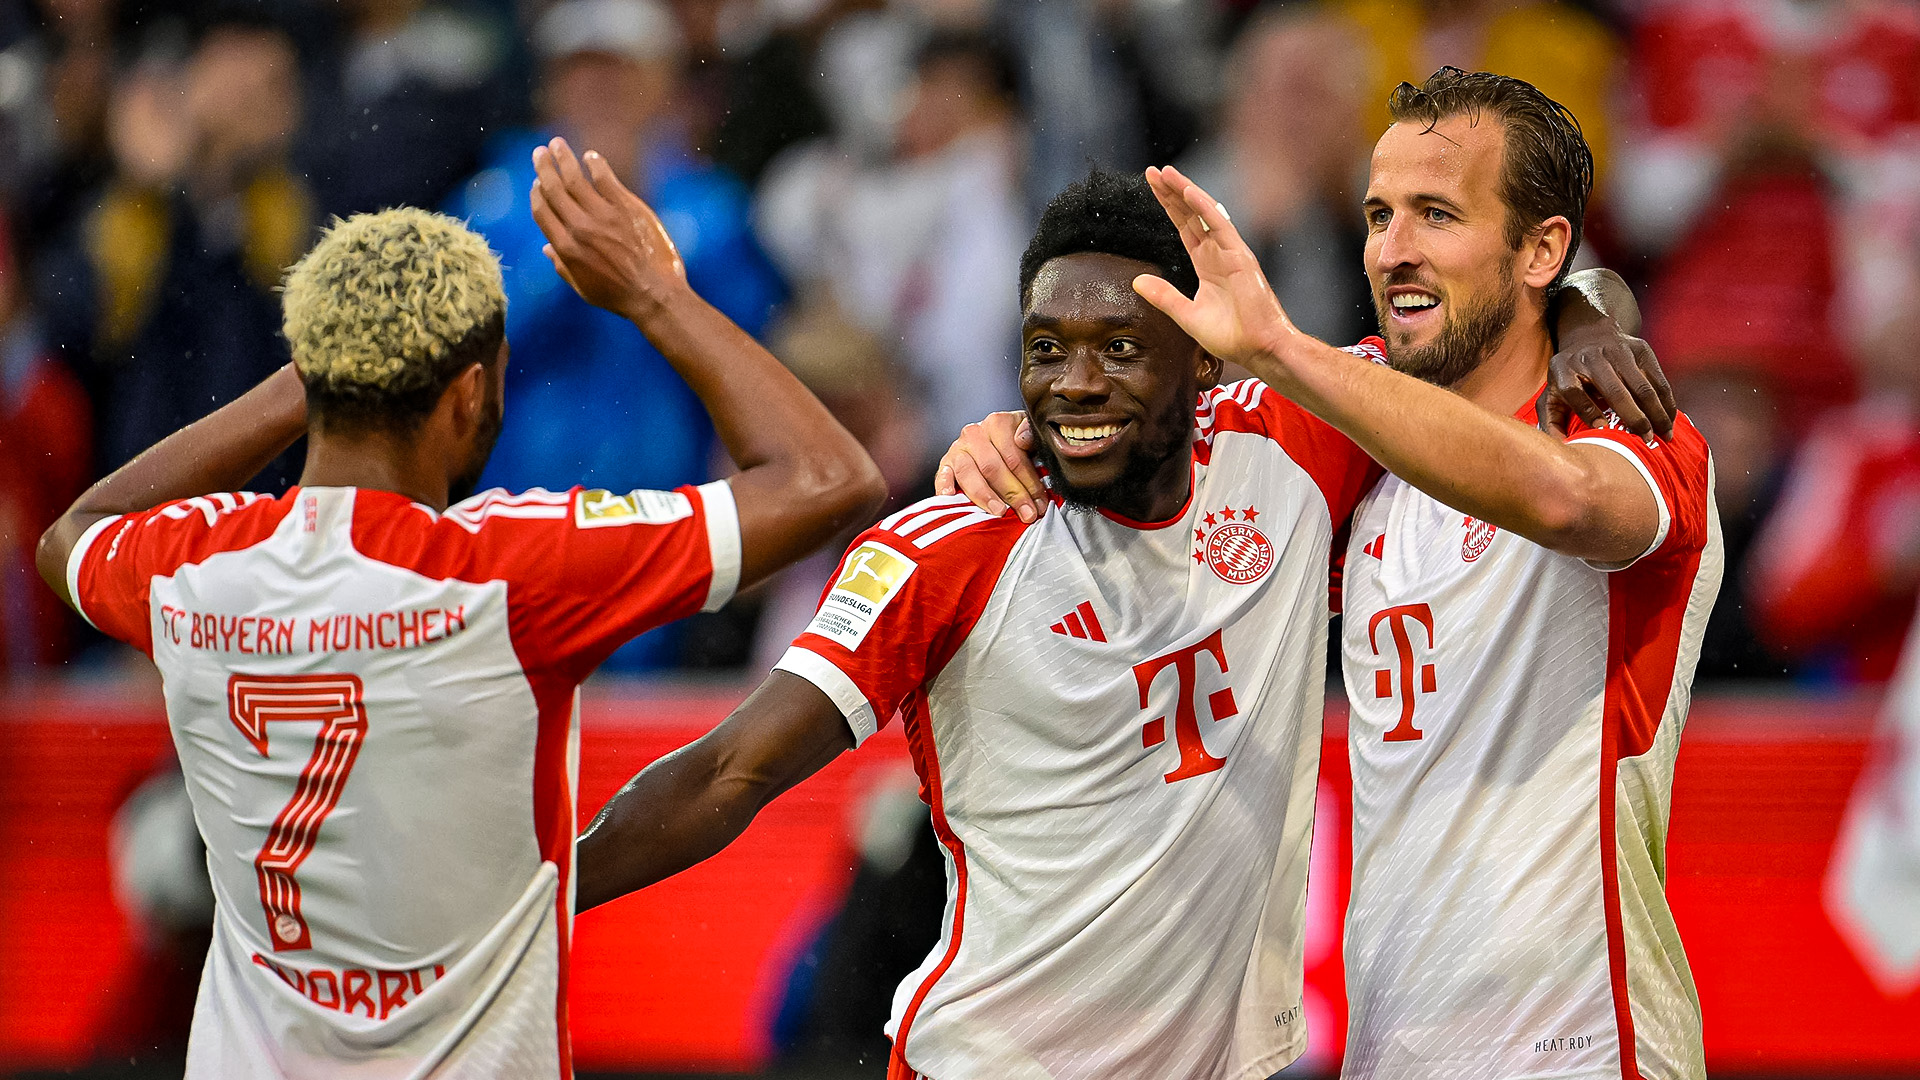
(687, 975)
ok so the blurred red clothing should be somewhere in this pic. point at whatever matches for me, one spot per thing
(1833, 570)
(45, 458)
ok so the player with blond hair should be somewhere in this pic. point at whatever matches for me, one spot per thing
(371, 679)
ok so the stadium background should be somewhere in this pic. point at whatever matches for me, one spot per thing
(853, 181)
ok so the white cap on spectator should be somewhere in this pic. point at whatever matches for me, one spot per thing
(640, 30)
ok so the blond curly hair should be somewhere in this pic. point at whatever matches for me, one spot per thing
(387, 308)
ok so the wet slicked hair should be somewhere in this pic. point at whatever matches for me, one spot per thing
(1547, 170)
(385, 311)
(1109, 214)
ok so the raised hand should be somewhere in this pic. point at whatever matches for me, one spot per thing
(1234, 315)
(604, 240)
(1602, 369)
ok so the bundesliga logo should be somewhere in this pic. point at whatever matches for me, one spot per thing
(1232, 547)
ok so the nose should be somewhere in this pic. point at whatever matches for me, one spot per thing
(1083, 378)
(1395, 246)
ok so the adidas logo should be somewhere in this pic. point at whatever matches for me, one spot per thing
(1378, 548)
(1081, 623)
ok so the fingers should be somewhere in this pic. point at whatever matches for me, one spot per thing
(1160, 292)
(1619, 399)
(967, 477)
(1023, 436)
(990, 448)
(1568, 391)
(584, 194)
(1650, 368)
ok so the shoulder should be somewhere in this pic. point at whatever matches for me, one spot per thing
(206, 525)
(947, 530)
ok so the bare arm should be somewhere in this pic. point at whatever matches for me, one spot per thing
(1577, 499)
(803, 478)
(689, 804)
(219, 452)
(1598, 363)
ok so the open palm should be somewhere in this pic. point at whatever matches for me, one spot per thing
(1234, 315)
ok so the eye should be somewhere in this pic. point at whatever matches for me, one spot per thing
(1123, 346)
(1044, 349)
(1438, 216)
(1379, 216)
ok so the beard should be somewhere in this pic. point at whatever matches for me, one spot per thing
(462, 487)
(1465, 338)
(1165, 435)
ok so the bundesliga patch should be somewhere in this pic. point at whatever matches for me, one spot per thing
(599, 508)
(871, 577)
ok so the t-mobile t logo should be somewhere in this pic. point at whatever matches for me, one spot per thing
(1194, 758)
(1396, 619)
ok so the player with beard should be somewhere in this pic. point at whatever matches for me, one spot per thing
(1518, 651)
(371, 679)
(1114, 710)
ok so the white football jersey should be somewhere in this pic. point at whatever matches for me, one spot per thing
(1515, 716)
(374, 708)
(1117, 726)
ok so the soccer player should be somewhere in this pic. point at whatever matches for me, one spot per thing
(371, 679)
(1519, 650)
(1113, 710)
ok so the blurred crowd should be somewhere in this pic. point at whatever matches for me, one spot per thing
(853, 181)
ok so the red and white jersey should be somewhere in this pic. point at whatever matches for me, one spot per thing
(1516, 714)
(374, 706)
(1116, 725)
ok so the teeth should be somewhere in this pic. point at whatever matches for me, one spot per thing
(1407, 301)
(1088, 434)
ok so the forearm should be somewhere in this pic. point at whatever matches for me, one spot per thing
(804, 478)
(1592, 296)
(675, 813)
(693, 802)
(1490, 467)
(219, 452)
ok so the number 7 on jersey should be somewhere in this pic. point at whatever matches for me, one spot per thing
(337, 702)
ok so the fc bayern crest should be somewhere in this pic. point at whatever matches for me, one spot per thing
(1478, 539)
(1229, 543)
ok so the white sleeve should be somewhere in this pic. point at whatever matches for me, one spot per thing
(834, 683)
(723, 542)
(1659, 500)
(79, 556)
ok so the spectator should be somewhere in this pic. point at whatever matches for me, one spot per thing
(1837, 569)
(922, 250)
(407, 107)
(43, 467)
(1289, 159)
(178, 261)
(593, 402)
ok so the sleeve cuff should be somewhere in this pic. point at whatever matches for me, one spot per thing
(834, 683)
(78, 557)
(723, 542)
(1659, 500)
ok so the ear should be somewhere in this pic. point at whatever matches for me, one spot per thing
(1207, 367)
(465, 399)
(1545, 249)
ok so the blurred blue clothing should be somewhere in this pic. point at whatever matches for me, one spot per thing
(589, 400)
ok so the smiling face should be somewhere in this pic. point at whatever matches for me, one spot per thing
(1447, 280)
(1110, 385)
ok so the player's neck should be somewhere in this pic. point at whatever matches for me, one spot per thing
(378, 461)
(1514, 370)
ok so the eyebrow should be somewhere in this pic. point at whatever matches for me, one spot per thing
(1417, 198)
(1039, 320)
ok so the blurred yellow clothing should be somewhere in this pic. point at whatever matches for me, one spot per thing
(1570, 55)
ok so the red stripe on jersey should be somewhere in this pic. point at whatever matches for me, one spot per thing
(554, 819)
(1647, 606)
(1090, 620)
(917, 725)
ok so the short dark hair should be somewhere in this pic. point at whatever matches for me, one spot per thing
(1548, 168)
(1109, 214)
(400, 408)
